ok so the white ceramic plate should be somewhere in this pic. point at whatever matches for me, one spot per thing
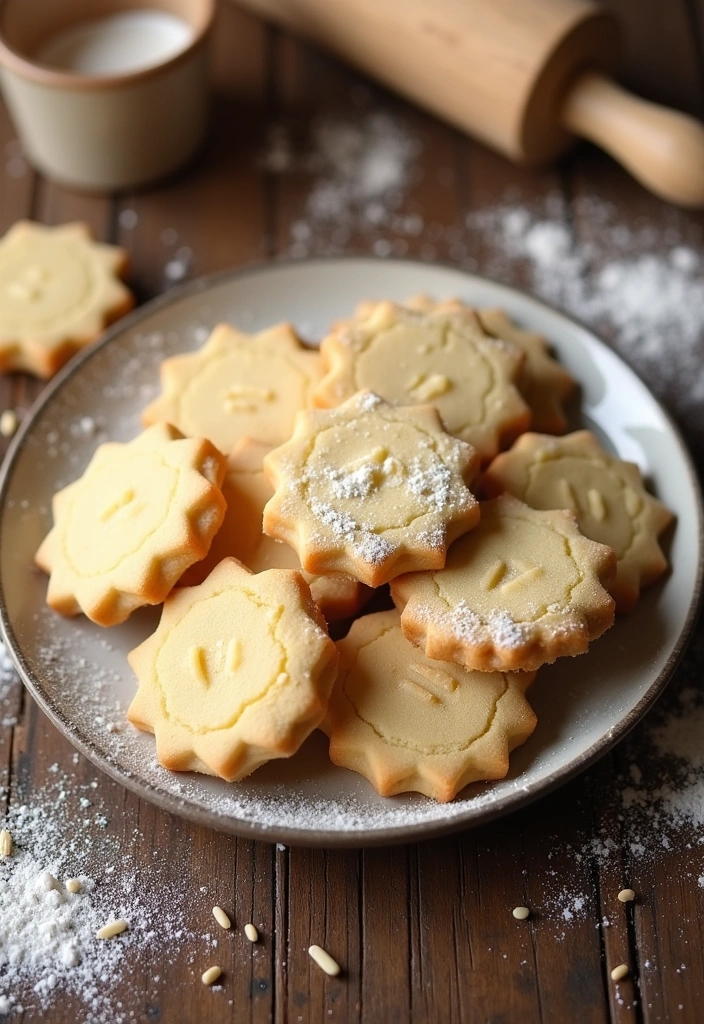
(79, 674)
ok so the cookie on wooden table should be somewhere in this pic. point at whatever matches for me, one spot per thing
(58, 290)
(522, 589)
(238, 672)
(606, 494)
(129, 527)
(442, 357)
(370, 489)
(411, 724)
(237, 385)
(246, 491)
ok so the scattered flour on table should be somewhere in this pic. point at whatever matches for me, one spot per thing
(648, 299)
(47, 934)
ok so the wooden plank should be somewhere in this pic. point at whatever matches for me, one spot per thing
(660, 59)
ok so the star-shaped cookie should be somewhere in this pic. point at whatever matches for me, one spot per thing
(606, 494)
(522, 589)
(238, 385)
(238, 672)
(126, 530)
(543, 382)
(370, 489)
(441, 356)
(246, 491)
(58, 290)
(411, 724)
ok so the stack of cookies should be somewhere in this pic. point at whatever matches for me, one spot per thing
(275, 488)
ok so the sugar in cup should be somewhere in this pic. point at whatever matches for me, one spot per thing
(106, 94)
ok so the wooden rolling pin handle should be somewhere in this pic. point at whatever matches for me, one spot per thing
(662, 148)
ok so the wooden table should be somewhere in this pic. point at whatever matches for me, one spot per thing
(424, 932)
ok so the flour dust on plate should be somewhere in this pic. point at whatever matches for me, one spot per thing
(117, 43)
(79, 673)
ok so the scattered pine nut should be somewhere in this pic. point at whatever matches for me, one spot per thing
(8, 423)
(112, 928)
(619, 972)
(5, 844)
(73, 885)
(221, 917)
(626, 895)
(324, 961)
(251, 933)
(210, 976)
(521, 913)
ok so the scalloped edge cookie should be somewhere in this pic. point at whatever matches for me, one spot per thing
(44, 351)
(357, 743)
(272, 725)
(643, 561)
(321, 530)
(495, 641)
(147, 574)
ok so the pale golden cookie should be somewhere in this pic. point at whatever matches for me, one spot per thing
(370, 489)
(58, 290)
(543, 383)
(605, 493)
(411, 724)
(127, 529)
(521, 590)
(238, 385)
(238, 672)
(443, 357)
(246, 491)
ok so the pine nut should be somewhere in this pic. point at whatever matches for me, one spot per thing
(221, 917)
(251, 933)
(626, 895)
(324, 961)
(8, 423)
(73, 885)
(619, 972)
(211, 975)
(521, 913)
(112, 928)
(5, 844)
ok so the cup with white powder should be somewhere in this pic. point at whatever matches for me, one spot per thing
(106, 94)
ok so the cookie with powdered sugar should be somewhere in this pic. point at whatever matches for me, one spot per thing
(407, 723)
(440, 356)
(606, 494)
(246, 491)
(370, 489)
(522, 589)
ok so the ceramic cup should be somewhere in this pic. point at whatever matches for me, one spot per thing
(103, 132)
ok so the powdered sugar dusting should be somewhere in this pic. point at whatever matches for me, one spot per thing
(370, 546)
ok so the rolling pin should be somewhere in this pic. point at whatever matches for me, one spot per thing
(524, 76)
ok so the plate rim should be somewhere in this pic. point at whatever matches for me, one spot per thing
(341, 838)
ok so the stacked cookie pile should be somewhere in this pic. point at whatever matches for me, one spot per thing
(275, 488)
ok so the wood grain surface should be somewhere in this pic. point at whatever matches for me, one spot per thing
(424, 932)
